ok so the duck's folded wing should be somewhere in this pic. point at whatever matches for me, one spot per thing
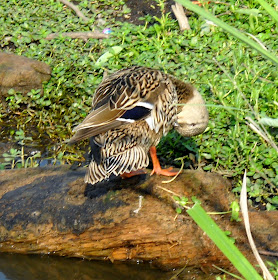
(88, 132)
(126, 96)
(103, 119)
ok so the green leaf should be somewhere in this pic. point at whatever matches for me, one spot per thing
(235, 32)
(269, 9)
(106, 56)
(269, 122)
(235, 211)
(251, 12)
(205, 222)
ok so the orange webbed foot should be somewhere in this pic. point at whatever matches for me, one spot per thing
(156, 165)
(165, 172)
(133, 173)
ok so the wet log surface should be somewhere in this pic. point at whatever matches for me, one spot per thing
(51, 210)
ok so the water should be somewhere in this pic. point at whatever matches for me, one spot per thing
(34, 267)
(3, 277)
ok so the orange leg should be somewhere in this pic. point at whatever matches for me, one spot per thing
(156, 165)
(133, 173)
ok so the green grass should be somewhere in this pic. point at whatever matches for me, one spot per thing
(236, 80)
(223, 242)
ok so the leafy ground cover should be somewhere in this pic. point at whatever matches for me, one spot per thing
(235, 80)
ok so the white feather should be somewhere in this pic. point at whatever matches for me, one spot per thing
(125, 120)
(150, 122)
(145, 105)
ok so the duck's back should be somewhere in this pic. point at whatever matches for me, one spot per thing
(127, 96)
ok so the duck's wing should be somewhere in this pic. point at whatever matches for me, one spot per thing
(126, 96)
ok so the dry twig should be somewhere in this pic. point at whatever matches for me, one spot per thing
(268, 253)
(181, 17)
(244, 210)
(75, 8)
(80, 35)
(262, 132)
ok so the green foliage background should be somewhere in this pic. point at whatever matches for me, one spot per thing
(219, 65)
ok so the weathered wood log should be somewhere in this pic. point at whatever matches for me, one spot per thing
(51, 210)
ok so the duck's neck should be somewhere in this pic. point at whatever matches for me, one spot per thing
(184, 90)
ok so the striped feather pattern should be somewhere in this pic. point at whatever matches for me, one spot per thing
(122, 150)
(124, 145)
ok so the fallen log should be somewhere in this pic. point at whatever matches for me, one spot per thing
(52, 211)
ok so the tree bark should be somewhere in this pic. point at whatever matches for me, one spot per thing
(51, 210)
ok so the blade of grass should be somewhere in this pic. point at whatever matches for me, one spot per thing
(269, 9)
(262, 132)
(235, 32)
(227, 272)
(205, 222)
(244, 209)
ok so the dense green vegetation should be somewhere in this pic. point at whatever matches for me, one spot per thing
(236, 81)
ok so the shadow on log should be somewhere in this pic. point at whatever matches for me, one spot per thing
(51, 210)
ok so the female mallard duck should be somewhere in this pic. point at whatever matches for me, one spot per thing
(132, 109)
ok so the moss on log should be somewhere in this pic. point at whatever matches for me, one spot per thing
(51, 210)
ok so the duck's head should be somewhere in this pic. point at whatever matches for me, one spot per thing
(192, 117)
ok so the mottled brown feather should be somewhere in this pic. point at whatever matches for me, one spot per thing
(123, 147)
(117, 93)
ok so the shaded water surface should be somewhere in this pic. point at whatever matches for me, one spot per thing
(33, 267)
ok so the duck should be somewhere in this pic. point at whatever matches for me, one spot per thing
(132, 109)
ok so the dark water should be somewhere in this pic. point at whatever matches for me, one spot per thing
(44, 267)
(31, 267)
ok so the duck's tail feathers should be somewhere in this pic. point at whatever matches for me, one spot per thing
(130, 160)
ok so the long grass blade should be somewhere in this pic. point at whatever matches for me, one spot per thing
(235, 32)
(269, 9)
(206, 223)
(244, 209)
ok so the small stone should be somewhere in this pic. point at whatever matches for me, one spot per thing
(21, 74)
